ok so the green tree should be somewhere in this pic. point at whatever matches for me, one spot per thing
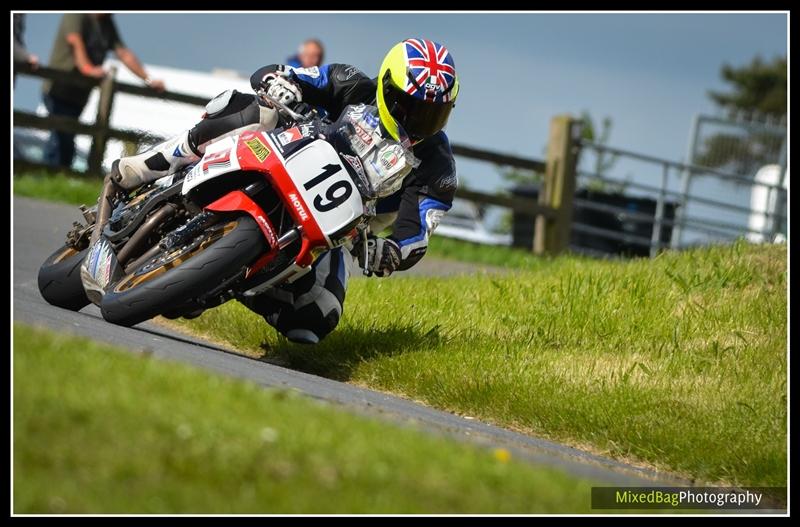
(757, 89)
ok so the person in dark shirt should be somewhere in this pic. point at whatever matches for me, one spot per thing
(409, 103)
(81, 45)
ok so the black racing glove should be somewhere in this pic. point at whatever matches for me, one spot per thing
(383, 256)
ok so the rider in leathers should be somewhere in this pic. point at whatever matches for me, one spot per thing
(414, 93)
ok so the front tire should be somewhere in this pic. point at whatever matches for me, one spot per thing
(157, 287)
(60, 279)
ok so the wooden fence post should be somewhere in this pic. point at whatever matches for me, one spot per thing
(551, 236)
(102, 122)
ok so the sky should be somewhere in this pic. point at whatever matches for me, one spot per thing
(649, 72)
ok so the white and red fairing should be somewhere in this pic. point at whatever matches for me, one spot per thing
(310, 182)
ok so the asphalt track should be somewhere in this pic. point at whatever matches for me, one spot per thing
(39, 228)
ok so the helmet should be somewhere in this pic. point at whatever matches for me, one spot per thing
(417, 88)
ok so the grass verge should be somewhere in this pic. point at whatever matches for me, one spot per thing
(677, 362)
(97, 430)
(58, 187)
(498, 256)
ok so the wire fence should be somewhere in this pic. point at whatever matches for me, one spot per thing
(713, 224)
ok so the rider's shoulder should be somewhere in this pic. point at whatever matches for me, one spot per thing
(345, 73)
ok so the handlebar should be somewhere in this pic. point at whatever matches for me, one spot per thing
(280, 106)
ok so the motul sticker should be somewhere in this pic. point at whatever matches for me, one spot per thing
(258, 148)
(362, 134)
(298, 206)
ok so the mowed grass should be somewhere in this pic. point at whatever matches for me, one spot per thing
(99, 430)
(58, 187)
(677, 362)
(495, 255)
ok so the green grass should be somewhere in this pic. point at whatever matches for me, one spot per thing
(58, 187)
(499, 256)
(677, 362)
(97, 430)
(660, 361)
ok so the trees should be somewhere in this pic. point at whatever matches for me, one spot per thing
(757, 93)
(757, 87)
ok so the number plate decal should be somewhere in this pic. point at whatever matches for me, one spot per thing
(325, 186)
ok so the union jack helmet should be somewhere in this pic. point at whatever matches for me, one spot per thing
(417, 89)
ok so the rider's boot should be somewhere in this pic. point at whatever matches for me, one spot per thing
(134, 171)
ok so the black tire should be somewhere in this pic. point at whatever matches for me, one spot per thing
(220, 260)
(60, 279)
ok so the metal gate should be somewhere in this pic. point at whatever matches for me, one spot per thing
(740, 144)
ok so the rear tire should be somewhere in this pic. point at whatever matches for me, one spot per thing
(199, 273)
(60, 279)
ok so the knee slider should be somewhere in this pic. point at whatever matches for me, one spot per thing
(218, 104)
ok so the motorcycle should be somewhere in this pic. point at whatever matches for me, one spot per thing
(251, 214)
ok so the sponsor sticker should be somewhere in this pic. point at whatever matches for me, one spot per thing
(389, 159)
(355, 112)
(258, 148)
(355, 163)
(298, 206)
(217, 160)
(432, 86)
(371, 119)
(362, 134)
(273, 241)
(290, 136)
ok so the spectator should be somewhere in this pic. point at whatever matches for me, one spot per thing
(82, 42)
(21, 54)
(311, 53)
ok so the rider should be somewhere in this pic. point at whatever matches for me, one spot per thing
(414, 92)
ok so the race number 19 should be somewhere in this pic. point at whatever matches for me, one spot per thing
(342, 186)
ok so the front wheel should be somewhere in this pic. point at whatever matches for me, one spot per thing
(167, 280)
(60, 279)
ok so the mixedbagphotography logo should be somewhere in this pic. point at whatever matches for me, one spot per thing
(745, 498)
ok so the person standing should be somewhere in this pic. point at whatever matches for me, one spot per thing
(21, 53)
(81, 45)
(310, 54)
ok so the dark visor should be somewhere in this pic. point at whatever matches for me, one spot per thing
(420, 119)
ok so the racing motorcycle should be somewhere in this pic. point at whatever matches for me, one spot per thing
(253, 213)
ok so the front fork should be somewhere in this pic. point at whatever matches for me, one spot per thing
(105, 206)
